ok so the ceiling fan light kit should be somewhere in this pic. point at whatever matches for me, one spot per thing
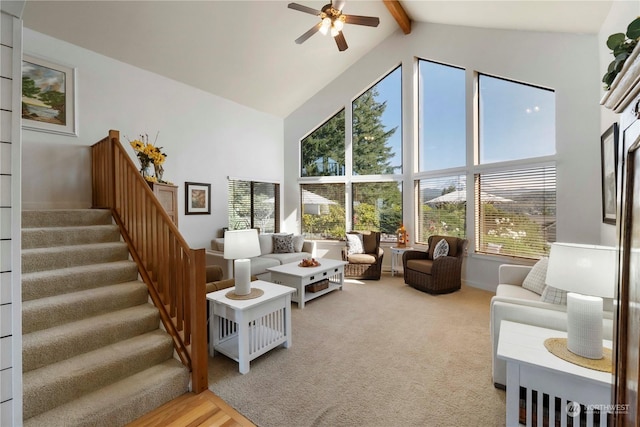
(332, 20)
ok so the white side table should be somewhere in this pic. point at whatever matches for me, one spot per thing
(245, 329)
(531, 365)
(396, 258)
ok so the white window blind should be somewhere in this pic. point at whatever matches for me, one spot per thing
(254, 204)
(516, 211)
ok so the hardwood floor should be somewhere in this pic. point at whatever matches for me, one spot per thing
(194, 410)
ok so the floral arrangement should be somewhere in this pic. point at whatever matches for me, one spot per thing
(149, 154)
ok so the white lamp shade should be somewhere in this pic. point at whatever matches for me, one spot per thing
(583, 269)
(241, 244)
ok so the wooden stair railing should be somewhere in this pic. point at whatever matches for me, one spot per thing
(173, 272)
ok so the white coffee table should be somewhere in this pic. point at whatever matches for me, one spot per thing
(531, 365)
(245, 329)
(298, 277)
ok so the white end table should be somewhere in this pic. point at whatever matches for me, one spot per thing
(531, 365)
(245, 329)
(396, 257)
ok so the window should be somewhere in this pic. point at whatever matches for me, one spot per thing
(516, 211)
(377, 124)
(374, 176)
(377, 206)
(323, 213)
(442, 207)
(516, 121)
(441, 116)
(254, 204)
(323, 150)
(515, 205)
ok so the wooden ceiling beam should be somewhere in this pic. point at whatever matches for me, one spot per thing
(399, 14)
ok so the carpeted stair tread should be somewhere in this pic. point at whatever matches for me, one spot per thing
(48, 312)
(67, 236)
(41, 259)
(52, 345)
(58, 383)
(65, 217)
(42, 284)
(122, 402)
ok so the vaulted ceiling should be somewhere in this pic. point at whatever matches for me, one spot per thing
(245, 51)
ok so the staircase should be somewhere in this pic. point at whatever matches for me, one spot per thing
(93, 351)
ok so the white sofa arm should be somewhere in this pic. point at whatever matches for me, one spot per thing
(217, 258)
(512, 274)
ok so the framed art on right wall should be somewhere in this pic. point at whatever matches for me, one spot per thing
(609, 159)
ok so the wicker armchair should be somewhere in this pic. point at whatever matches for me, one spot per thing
(439, 276)
(368, 265)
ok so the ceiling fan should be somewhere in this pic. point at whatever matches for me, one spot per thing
(332, 20)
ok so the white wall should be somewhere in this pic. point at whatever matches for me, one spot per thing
(567, 63)
(620, 15)
(206, 138)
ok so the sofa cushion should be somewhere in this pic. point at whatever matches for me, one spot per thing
(298, 242)
(355, 243)
(266, 243)
(361, 259)
(283, 243)
(554, 295)
(536, 279)
(260, 264)
(287, 258)
(421, 265)
(441, 249)
(515, 291)
(217, 244)
(369, 242)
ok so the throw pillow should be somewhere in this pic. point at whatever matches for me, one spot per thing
(441, 249)
(298, 242)
(354, 244)
(282, 243)
(535, 280)
(370, 242)
(554, 295)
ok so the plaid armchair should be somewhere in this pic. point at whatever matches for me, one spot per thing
(435, 276)
(367, 265)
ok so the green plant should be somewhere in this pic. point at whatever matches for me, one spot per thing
(621, 46)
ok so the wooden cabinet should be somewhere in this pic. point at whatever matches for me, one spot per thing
(168, 197)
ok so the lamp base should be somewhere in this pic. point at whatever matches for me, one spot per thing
(584, 325)
(242, 276)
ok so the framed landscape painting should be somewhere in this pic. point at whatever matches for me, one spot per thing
(48, 97)
(197, 198)
(609, 147)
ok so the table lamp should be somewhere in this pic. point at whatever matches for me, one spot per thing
(587, 273)
(240, 245)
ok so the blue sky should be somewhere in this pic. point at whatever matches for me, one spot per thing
(516, 120)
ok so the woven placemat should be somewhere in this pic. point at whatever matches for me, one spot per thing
(558, 347)
(255, 293)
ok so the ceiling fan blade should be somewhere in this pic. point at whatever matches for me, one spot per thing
(309, 33)
(369, 21)
(305, 9)
(341, 42)
(338, 4)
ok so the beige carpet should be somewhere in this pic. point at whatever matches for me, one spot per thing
(378, 353)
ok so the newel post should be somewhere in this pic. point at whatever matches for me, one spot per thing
(198, 308)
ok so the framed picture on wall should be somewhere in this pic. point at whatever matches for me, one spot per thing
(609, 159)
(197, 198)
(48, 96)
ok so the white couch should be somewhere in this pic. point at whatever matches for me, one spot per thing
(517, 304)
(302, 249)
